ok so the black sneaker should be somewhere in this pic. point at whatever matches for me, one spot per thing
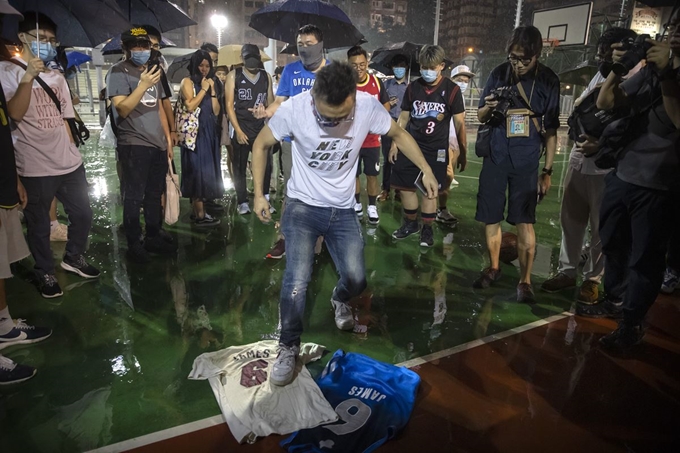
(408, 228)
(22, 333)
(137, 253)
(605, 308)
(426, 236)
(78, 265)
(158, 245)
(206, 221)
(623, 337)
(49, 288)
(167, 237)
(13, 373)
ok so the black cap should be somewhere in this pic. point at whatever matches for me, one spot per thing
(135, 34)
(250, 51)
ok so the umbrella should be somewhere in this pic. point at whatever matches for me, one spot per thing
(161, 14)
(659, 3)
(81, 23)
(382, 57)
(231, 55)
(115, 46)
(582, 74)
(75, 58)
(291, 47)
(179, 68)
(281, 21)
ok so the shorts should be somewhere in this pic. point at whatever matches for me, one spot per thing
(405, 172)
(13, 246)
(521, 183)
(370, 157)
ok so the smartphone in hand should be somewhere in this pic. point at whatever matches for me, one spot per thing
(419, 184)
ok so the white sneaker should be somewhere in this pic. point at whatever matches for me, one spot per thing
(283, 369)
(343, 315)
(444, 216)
(454, 182)
(272, 209)
(372, 212)
(359, 209)
(243, 208)
(671, 281)
(59, 234)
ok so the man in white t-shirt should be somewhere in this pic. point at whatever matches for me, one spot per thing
(329, 125)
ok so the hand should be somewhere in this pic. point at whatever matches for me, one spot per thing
(175, 138)
(544, 183)
(33, 68)
(490, 101)
(462, 162)
(212, 83)
(259, 112)
(393, 101)
(149, 77)
(431, 185)
(659, 54)
(588, 145)
(392, 156)
(261, 208)
(23, 196)
(241, 138)
(618, 52)
(205, 84)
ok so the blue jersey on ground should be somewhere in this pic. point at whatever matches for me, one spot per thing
(374, 401)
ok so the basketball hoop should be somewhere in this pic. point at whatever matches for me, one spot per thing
(549, 46)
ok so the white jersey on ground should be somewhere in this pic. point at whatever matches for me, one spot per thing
(250, 403)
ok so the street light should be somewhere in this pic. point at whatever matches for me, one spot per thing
(470, 49)
(220, 23)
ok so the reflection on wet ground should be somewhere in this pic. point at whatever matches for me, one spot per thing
(123, 346)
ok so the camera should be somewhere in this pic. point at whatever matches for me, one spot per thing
(505, 97)
(636, 50)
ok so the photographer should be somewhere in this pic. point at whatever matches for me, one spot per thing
(521, 98)
(640, 194)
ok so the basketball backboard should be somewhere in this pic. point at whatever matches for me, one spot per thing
(570, 25)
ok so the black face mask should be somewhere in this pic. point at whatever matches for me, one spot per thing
(605, 67)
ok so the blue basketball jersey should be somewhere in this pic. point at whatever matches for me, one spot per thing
(374, 401)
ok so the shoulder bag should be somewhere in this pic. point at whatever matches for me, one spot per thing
(186, 122)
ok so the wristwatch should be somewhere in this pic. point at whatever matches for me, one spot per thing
(547, 171)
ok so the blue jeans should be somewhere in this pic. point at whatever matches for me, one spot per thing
(302, 225)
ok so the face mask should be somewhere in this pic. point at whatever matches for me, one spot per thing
(140, 57)
(399, 73)
(463, 86)
(311, 56)
(46, 53)
(605, 67)
(429, 75)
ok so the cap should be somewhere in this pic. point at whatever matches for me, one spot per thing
(250, 51)
(135, 34)
(462, 70)
(6, 8)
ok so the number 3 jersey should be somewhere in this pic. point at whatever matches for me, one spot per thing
(374, 401)
(251, 405)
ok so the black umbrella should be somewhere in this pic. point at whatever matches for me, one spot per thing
(659, 3)
(115, 46)
(161, 14)
(85, 23)
(179, 68)
(582, 74)
(381, 59)
(291, 48)
(281, 20)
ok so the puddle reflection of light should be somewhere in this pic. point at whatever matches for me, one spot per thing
(118, 366)
(99, 188)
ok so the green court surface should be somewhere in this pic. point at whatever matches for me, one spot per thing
(116, 366)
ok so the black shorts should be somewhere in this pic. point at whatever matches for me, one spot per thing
(404, 172)
(370, 157)
(521, 183)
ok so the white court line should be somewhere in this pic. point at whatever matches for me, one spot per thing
(180, 430)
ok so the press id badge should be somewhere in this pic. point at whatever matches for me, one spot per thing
(441, 155)
(518, 121)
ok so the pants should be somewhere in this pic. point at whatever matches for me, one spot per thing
(302, 225)
(673, 258)
(144, 170)
(635, 225)
(286, 163)
(581, 206)
(72, 191)
(240, 164)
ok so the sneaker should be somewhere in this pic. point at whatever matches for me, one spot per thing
(137, 253)
(454, 182)
(22, 333)
(283, 369)
(623, 337)
(59, 233)
(159, 246)
(167, 237)
(278, 250)
(525, 293)
(210, 221)
(272, 209)
(488, 277)
(558, 282)
(78, 265)
(344, 320)
(444, 216)
(604, 308)
(49, 288)
(373, 217)
(13, 373)
(408, 228)
(384, 195)
(671, 279)
(359, 209)
(588, 293)
(426, 236)
(243, 208)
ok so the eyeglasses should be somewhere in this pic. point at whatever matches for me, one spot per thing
(360, 65)
(44, 40)
(324, 121)
(514, 60)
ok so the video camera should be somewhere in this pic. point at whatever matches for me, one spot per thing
(636, 50)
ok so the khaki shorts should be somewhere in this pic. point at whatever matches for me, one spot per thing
(13, 246)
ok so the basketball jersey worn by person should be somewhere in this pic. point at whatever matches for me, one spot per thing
(251, 405)
(374, 401)
(430, 110)
(376, 89)
(248, 92)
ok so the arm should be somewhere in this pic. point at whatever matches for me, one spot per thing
(611, 95)
(190, 101)
(263, 143)
(270, 92)
(545, 180)
(411, 150)
(667, 67)
(170, 117)
(18, 105)
(384, 97)
(461, 136)
(166, 130)
(213, 97)
(124, 105)
(241, 138)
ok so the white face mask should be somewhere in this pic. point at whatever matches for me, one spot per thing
(463, 86)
